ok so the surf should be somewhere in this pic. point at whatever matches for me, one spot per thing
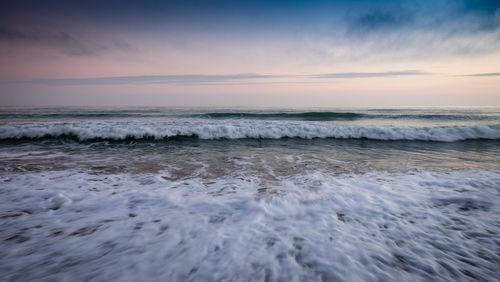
(239, 129)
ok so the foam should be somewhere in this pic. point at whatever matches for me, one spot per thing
(375, 226)
(238, 129)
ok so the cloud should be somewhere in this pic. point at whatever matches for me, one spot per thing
(67, 43)
(340, 30)
(424, 30)
(150, 79)
(483, 74)
(204, 79)
(380, 20)
(435, 15)
(368, 74)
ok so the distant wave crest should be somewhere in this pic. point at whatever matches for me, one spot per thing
(319, 116)
(332, 116)
(229, 115)
(238, 129)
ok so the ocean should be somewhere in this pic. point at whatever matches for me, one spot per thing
(213, 194)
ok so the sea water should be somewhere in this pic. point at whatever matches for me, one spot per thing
(207, 194)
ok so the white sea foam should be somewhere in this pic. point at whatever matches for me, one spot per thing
(238, 129)
(316, 226)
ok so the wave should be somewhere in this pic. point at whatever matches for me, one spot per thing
(331, 116)
(312, 116)
(82, 115)
(238, 129)
(306, 116)
(452, 117)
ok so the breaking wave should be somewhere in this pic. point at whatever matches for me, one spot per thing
(239, 129)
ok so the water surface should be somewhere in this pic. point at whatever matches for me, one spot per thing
(249, 194)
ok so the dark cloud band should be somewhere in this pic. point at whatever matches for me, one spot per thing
(484, 74)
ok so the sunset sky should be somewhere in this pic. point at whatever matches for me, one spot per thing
(250, 53)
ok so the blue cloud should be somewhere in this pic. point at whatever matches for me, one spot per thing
(380, 20)
(468, 16)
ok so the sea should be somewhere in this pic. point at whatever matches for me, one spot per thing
(246, 194)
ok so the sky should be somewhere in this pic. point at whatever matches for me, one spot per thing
(355, 53)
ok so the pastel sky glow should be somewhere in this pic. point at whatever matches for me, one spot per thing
(250, 53)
